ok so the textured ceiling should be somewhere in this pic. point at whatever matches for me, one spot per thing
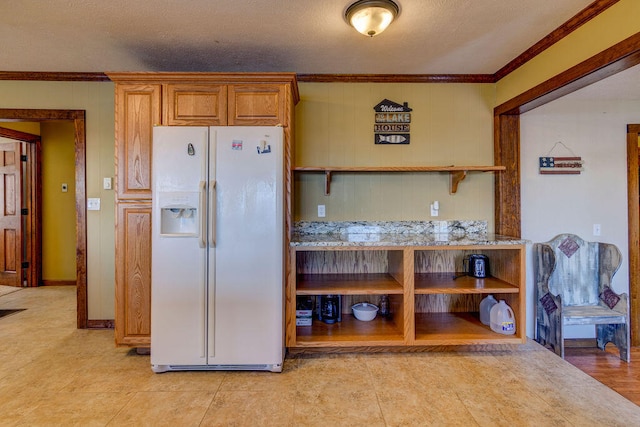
(301, 36)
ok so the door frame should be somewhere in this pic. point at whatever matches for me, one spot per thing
(633, 189)
(78, 118)
(507, 202)
(33, 229)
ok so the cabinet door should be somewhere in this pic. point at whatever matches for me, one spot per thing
(195, 105)
(133, 274)
(257, 105)
(137, 110)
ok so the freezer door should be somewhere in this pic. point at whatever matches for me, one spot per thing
(246, 294)
(178, 272)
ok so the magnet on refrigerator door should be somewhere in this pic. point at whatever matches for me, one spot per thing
(264, 148)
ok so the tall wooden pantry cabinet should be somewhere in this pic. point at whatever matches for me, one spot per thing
(177, 99)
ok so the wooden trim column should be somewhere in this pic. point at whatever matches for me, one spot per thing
(82, 302)
(633, 188)
(506, 152)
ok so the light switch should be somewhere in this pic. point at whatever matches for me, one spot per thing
(93, 204)
(596, 229)
(106, 183)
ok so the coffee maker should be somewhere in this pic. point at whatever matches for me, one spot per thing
(330, 308)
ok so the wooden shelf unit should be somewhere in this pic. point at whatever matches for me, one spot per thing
(459, 283)
(350, 332)
(348, 284)
(456, 173)
(432, 302)
(438, 329)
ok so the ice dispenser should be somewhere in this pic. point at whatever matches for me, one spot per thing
(179, 214)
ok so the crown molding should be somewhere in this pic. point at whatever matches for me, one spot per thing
(54, 76)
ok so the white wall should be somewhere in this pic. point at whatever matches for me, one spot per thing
(554, 204)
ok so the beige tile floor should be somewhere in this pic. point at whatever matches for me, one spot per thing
(53, 374)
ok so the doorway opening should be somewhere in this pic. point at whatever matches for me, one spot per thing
(21, 213)
(78, 119)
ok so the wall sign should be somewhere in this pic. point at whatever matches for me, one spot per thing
(553, 165)
(392, 123)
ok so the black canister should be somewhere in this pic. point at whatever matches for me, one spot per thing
(329, 308)
(385, 306)
(477, 265)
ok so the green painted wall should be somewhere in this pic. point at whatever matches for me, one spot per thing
(620, 21)
(58, 208)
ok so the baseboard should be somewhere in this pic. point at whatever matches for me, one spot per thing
(100, 324)
(58, 283)
(580, 343)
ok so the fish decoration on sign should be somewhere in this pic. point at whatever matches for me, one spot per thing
(392, 123)
(391, 139)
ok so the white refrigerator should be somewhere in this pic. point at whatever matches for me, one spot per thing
(217, 279)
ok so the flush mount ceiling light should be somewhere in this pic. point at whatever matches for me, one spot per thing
(371, 17)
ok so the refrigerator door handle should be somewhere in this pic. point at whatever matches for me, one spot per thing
(212, 212)
(203, 218)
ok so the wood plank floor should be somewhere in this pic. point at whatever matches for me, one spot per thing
(606, 367)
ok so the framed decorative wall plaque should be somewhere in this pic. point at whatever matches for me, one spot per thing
(392, 123)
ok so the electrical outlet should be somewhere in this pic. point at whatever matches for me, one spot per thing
(321, 211)
(596, 229)
(93, 204)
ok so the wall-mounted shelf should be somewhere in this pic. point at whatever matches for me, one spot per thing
(456, 173)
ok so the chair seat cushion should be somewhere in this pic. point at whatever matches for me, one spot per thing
(591, 315)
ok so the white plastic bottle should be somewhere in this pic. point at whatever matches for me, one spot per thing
(502, 319)
(485, 308)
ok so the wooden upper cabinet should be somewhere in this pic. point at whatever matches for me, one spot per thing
(257, 105)
(189, 104)
(138, 108)
(195, 105)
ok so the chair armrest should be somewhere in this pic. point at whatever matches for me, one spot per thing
(550, 303)
(544, 264)
(623, 305)
(610, 259)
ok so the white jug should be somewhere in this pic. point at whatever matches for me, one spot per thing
(502, 319)
(485, 308)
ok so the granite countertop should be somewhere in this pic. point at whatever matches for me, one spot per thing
(397, 233)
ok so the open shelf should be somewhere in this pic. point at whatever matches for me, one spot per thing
(431, 302)
(456, 173)
(458, 329)
(445, 283)
(350, 332)
(347, 284)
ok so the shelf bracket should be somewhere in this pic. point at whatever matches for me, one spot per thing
(454, 179)
(327, 182)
